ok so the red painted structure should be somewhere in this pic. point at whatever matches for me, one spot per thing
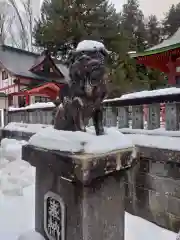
(26, 74)
(50, 90)
(164, 56)
(167, 62)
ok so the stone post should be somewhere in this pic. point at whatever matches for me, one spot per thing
(123, 117)
(172, 116)
(78, 196)
(153, 116)
(110, 117)
(137, 117)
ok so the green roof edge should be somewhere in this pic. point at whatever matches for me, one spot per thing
(2, 94)
(154, 51)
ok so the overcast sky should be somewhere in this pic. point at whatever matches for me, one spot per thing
(157, 7)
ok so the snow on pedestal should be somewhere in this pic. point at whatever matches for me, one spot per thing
(86, 142)
(85, 151)
(31, 236)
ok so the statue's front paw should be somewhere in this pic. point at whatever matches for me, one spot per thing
(100, 131)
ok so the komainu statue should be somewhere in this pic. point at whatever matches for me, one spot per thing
(81, 99)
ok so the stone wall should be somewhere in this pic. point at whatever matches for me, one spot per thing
(153, 187)
(37, 115)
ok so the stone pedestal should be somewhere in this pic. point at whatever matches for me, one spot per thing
(79, 196)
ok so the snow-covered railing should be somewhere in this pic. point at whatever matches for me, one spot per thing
(34, 113)
(145, 110)
(140, 110)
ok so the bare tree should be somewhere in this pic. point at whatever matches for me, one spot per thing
(23, 32)
(24, 23)
(12, 36)
(5, 22)
(2, 24)
(30, 20)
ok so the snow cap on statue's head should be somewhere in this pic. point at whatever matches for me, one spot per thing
(90, 45)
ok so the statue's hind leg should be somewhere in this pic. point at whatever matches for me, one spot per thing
(78, 114)
(98, 121)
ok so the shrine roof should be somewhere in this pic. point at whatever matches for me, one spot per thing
(40, 88)
(16, 60)
(168, 44)
(64, 70)
(19, 62)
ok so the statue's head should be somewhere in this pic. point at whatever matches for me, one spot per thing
(89, 66)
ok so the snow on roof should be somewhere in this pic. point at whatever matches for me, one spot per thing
(34, 106)
(175, 39)
(172, 42)
(143, 94)
(75, 142)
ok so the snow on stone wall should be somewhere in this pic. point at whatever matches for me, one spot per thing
(142, 94)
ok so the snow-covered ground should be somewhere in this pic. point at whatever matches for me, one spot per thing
(17, 200)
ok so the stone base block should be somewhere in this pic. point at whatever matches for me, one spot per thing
(79, 196)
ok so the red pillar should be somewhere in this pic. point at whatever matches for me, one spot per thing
(10, 100)
(172, 73)
(27, 99)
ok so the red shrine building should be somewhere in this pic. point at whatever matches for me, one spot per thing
(165, 57)
(27, 77)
